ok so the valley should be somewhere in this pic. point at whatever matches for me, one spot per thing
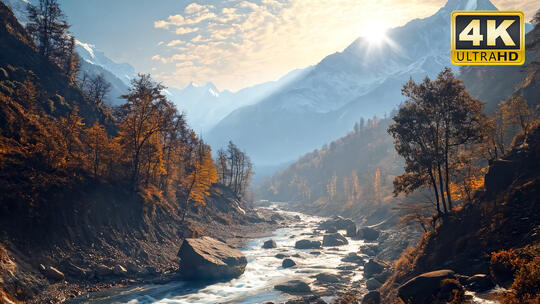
(378, 174)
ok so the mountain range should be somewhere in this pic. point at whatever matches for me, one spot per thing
(363, 80)
(204, 105)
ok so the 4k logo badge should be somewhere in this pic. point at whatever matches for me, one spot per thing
(487, 38)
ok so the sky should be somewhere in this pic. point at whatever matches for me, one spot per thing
(237, 43)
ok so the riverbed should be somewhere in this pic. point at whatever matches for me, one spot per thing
(262, 273)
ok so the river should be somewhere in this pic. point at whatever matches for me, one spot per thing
(262, 273)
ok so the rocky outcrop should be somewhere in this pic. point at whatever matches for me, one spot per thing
(307, 244)
(294, 287)
(269, 244)
(334, 239)
(209, 259)
(425, 287)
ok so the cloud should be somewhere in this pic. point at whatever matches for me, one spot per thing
(240, 43)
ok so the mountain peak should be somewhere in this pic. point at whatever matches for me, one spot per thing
(469, 5)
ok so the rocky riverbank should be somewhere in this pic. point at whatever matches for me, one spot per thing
(67, 271)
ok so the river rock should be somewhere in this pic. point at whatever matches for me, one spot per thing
(372, 297)
(369, 234)
(287, 263)
(331, 230)
(423, 288)
(370, 250)
(327, 278)
(307, 244)
(352, 257)
(281, 256)
(52, 273)
(338, 223)
(119, 270)
(277, 217)
(206, 258)
(373, 284)
(269, 244)
(372, 267)
(479, 283)
(334, 239)
(352, 231)
(103, 271)
(383, 276)
(294, 287)
(78, 272)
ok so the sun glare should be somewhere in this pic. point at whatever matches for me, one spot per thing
(375, 32)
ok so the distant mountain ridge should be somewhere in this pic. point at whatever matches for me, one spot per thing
(361, 81)
(205, 105)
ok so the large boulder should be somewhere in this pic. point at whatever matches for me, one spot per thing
(372, 297)
(425, 287)
(368, 233)
(269, 244)
(287, 263)
(206, 258)
(334, 239)
(338, 223)
(479, 283)
(372, 267)
(294, 287)
(307, 244)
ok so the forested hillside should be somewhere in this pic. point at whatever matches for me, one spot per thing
(85, 186)
(352, 175)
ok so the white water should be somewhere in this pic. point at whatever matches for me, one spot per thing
(263, 271)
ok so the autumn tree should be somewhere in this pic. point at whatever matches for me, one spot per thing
(49, 29)
(331, 186)
(234, 169)
(143, 117)
(200, 175)
(437, 119)
(98, 148)
(95, 87)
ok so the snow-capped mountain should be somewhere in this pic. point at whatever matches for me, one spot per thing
(361, 81)
(90, 54)
(205, 105)
(93, 61)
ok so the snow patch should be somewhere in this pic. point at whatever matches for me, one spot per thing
(87, 47)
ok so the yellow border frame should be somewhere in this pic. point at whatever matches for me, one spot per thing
(503, 13)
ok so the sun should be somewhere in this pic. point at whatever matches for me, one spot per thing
(375, 32)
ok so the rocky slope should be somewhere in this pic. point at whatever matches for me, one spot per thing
(63, 231)
(500, 218)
